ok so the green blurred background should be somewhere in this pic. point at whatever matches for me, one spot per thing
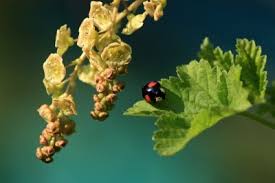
(120, 149)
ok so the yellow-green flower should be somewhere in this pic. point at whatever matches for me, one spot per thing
(117, 54)
(101, 15)
(87, 34)
(54, 69)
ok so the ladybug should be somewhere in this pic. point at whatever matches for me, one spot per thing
(152, 92)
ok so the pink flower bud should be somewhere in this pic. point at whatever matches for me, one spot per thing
(60, 143)
(46, 113)
(53, 127)
(39, 153)
(98, 106)
(118, 87)
(47, 150)
(102, 115)
(100, 87)
(96, 98)
(108, 73)
(47, 134)
(43, 140)
(111, 98)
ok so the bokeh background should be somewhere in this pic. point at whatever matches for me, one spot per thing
(120, 149)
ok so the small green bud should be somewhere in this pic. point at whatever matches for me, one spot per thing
(46, 113)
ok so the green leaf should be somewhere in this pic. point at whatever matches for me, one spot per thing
(205, 92)
(173, 89)
(212, 87)
(175, 130)
(212, 95)
(269, 106)
(253, 64)
(272, 93)
(216, 56)
(172, 103)
(203, 95)
(207, 51)
(142, 108)
(171, 134)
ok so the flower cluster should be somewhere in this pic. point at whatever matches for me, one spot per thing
(107, 58)
(58, 125)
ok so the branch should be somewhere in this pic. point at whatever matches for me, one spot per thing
(73, 76)
(132, 7)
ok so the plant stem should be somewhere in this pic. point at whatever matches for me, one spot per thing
(259, 119)
(116, 3)
(72, 78)
(132, 7)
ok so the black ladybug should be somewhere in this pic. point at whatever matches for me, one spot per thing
(152, 92)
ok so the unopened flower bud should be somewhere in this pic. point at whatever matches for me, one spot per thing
(118, 87)
(69, 128)
(108, 73)
(47, 150)
(46, 134)
(98, 106)
(39, 153)
(60, 143)
(102, 115)
(93, 114)
(98, 79)
(46, 113)
(111, 98)
(101, 87)
(96, 98)
(53, 127)
(43, 140)
(100, 96)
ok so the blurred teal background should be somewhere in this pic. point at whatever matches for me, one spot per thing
(120, 149)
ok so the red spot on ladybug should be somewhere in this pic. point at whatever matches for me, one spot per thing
(147, 98)
(152, 84)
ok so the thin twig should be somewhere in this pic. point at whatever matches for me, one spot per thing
(73, 76)
(132, 7)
